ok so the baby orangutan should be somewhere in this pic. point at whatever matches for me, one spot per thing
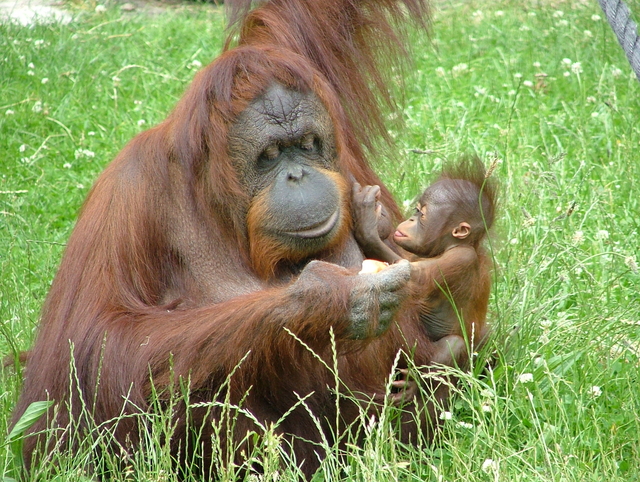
(450, 269)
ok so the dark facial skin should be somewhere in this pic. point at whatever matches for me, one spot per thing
(283, 147)
(433, 227)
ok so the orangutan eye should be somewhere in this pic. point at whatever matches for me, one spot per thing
(271, 153)
(309, 142)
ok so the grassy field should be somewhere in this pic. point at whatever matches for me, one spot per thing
(540, 88)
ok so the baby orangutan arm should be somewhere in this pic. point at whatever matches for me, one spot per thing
(370, 223)
(455, 269)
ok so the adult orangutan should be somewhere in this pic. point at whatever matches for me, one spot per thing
(218, 241)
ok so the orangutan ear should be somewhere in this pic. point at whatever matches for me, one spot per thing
(461, 231)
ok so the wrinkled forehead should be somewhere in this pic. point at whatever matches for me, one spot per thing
(279, 105)
(281, 114)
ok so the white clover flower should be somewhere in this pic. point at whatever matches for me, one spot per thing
(595, 18)
(630, 261)
(489, 465)
(440, 71)
(576, 67)
(80, 186)
(578, 237)
(9, 112)
(37, 107)
(517, 75)
(527, 83)
(602, 234)
(460, 68)
(616, 72)
(486, 407)
(44, 80)
(39, 42)
(446, 416)
(91, 133)
(196, 63)
(591, 100)
(499, 13)
(487, 393)
(595, 114)
(566, 62)
(67, 165)
(513, 241)
(100, 9)
(31, 73)
(142, 122)
(83, 153)
(31, 66)
(558, 14)
(595, 391)
(567, 73)
(465, 425)
(525, 378)
(536, 65)
(22, 148)
(588, 33)
(563, 23)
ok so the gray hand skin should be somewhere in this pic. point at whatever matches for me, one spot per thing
(371, 300)
(375, 299)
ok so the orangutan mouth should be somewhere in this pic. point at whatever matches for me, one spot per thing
(318, 230)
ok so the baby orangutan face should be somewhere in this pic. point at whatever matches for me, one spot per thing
(435, 225)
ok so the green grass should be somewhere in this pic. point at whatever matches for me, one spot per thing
(566, 244)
